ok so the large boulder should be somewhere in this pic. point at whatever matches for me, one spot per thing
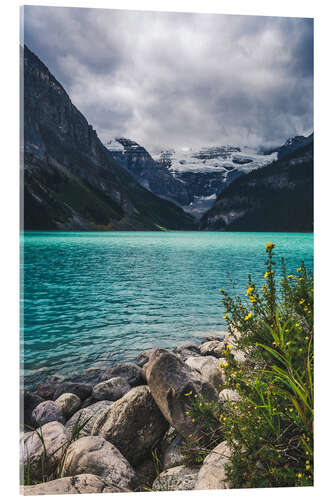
(47, 411)
(87, 416)
(81, 390)
(208, 367)
(33, 453)
(30, 401)
(95, 455)
(131, 372)
(111, 390)
(173, 384)
(68, 404)
(176, 478)
(134, 424)
(84, 483)
(212, 475)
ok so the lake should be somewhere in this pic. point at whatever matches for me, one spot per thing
(91, 299)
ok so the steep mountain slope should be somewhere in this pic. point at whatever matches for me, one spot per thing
(70, 180)
(276, 198)
(147, 172)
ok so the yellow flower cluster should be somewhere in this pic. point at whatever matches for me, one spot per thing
(269, 245)
(226, 315)
(249, 290)
(248, 316)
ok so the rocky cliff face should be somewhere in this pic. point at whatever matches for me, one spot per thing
(276, 198)
(70, 180)
(150, 174)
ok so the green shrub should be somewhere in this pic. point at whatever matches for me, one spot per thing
(270, 429)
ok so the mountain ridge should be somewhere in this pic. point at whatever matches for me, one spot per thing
(70, 181)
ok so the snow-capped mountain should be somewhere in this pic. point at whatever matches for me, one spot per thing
(193, 178)
(206, 172)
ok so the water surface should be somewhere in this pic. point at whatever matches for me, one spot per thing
(95, 298)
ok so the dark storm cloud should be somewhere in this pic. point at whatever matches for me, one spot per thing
(180, 80)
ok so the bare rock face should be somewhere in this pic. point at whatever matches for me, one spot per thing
(95, 455)
(208, 367)
(68, 404)
(172, 383)
(177, 478)
(83, 483)
(47, 411)
(111, 390)
(212, 475)
(134, 424)
(33, 453)
(86, 416)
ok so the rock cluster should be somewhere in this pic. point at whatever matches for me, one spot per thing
(103, 437)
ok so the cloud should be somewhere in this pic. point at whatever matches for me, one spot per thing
(176, 80)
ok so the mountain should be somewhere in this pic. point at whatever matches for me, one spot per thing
(147, 172)
(276, 198)
(293, 144)
(190, 178)
(70, 179)
(207, 171)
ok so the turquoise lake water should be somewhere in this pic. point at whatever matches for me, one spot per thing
(92, 299)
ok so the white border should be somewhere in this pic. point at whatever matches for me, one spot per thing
(9, 121)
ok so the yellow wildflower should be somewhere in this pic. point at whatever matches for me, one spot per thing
(299, 475)
(299, 269)
(307, 467)
(248, 316)
(269, 245)
(226, 315)
(301, 301)
(252, 299)
(266, 274)
(249, 290)
(188, 394)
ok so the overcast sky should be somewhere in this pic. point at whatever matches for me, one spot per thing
(180, 80)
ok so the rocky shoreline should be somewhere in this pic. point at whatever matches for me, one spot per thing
(101, 431)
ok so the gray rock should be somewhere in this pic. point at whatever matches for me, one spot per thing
(228, 395)
(172, 384)
(68, 404)
(212, 348)
(95, 455)
(134, 424)
(84, 483)
(171, 455)
(187, 350)
(111, 390)
(88, 415)
(33, 454)
(143, 357)
(81, 390)
(146, 473)
(30, 401)
(176, 478)
(208, 367)
(131, 372)
(47, 411)
(212, 475)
